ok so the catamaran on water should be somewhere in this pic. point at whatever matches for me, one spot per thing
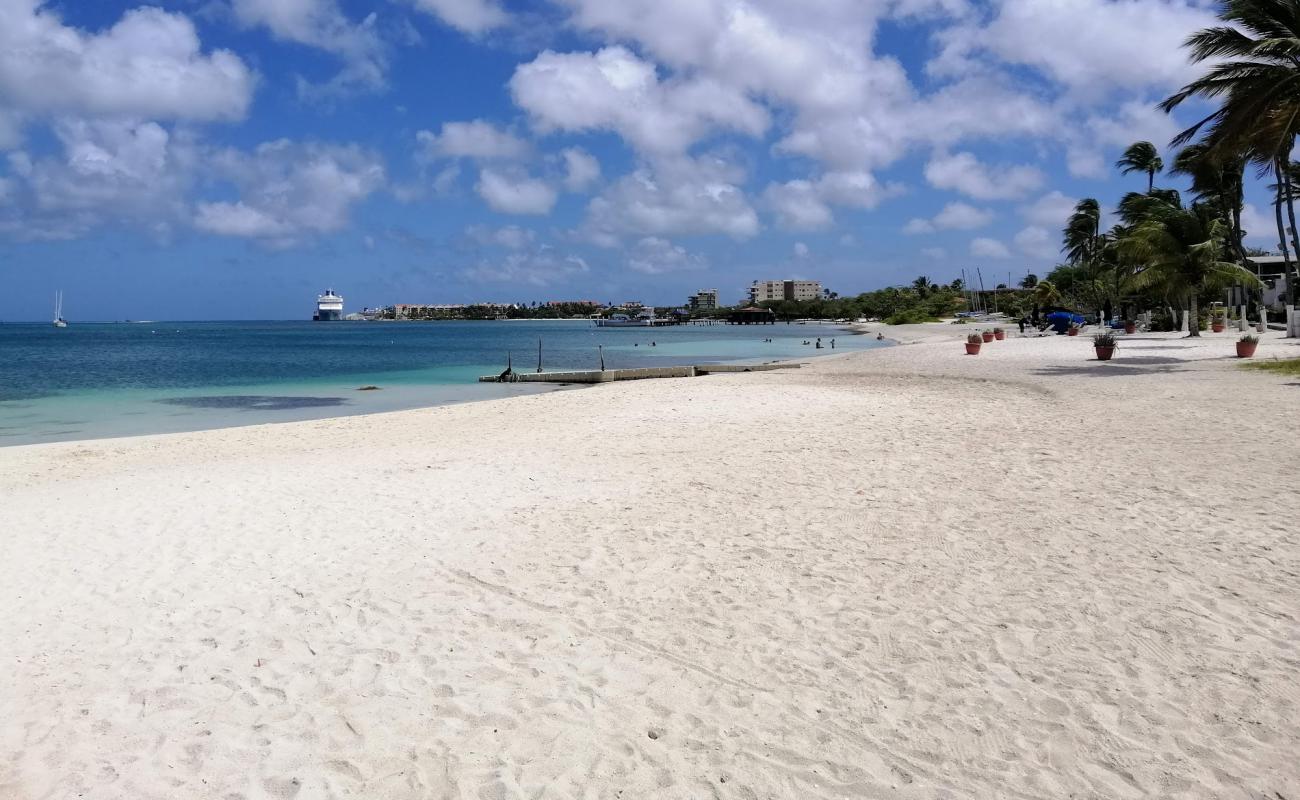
(59, 322)
(645, 319)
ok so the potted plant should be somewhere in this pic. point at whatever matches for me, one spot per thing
(1246, 346)
(1216, 325)
(1074, 330)
(973, 342)
(1105, 345)
(1130, 326)
(999, 334)
(988, 336)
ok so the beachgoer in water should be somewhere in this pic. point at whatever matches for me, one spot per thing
(819, 342)
(832, 344)
(880, 336)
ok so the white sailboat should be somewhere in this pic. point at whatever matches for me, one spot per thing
(59, 322)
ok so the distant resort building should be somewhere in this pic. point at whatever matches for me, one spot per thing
(425, 310)
(1271, 271)
(771, 291)
(592, 304)
(703, 300)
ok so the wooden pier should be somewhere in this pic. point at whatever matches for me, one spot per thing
(641, 373)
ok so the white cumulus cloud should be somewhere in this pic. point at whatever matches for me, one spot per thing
(954, 216)
(1050, 211)
(581, 169)
(963, 172)
(989, 248)
(653, 255)
(1038, 242)
(288, 190)
(512, 193)
(321, 24)
(150, 64)
(469, 16)
(674, 196)
(477, 139)
(614, 90)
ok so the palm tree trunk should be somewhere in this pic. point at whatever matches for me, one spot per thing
(1230, 218)
(1193, 316)
(1151, 180)
(1295, 243)
(1281, 234)
(1238, 199)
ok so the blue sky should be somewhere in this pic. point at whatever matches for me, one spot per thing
(227, 159)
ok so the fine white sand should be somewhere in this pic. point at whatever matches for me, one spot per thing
(904, 573)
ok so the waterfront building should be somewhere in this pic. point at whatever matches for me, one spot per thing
(1271, 271)
(703, 300)
(767, 291)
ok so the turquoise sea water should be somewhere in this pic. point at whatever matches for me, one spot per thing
(96, 380)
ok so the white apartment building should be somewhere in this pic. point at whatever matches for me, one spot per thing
(760, 291)
(703, 300)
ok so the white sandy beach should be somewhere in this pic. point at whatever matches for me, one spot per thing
(901, 573)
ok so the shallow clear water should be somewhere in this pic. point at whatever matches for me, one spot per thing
(96, 380)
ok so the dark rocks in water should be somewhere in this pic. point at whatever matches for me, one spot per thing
(254, 402)
(367, 388)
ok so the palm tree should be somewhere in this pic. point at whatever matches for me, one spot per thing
(1255, 75)
(1046, 294)
(1082, 231)
(1216, 179)
(1141, 157)
(1178, 250)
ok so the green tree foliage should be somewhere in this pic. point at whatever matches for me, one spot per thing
(1253, 74)
(1141, 157)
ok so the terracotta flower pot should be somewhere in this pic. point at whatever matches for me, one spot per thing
(1130, 327)
(1246, 349)
(1217, 327)
(1000, 336)
(1072, 332)
(988, 337)
(1104, 353)
(972, 349)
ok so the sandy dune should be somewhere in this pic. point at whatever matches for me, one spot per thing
(905, 573)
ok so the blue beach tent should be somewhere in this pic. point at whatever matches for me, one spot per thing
(1059, 321)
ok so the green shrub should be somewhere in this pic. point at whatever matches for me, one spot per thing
(1288, 366)
(909, 316)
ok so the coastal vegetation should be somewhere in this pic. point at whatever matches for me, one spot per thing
(1168, 252)
(920, 301)
(1282, 366)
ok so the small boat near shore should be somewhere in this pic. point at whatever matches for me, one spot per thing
(644, 319)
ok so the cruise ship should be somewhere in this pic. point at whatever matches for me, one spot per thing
(329, 307)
